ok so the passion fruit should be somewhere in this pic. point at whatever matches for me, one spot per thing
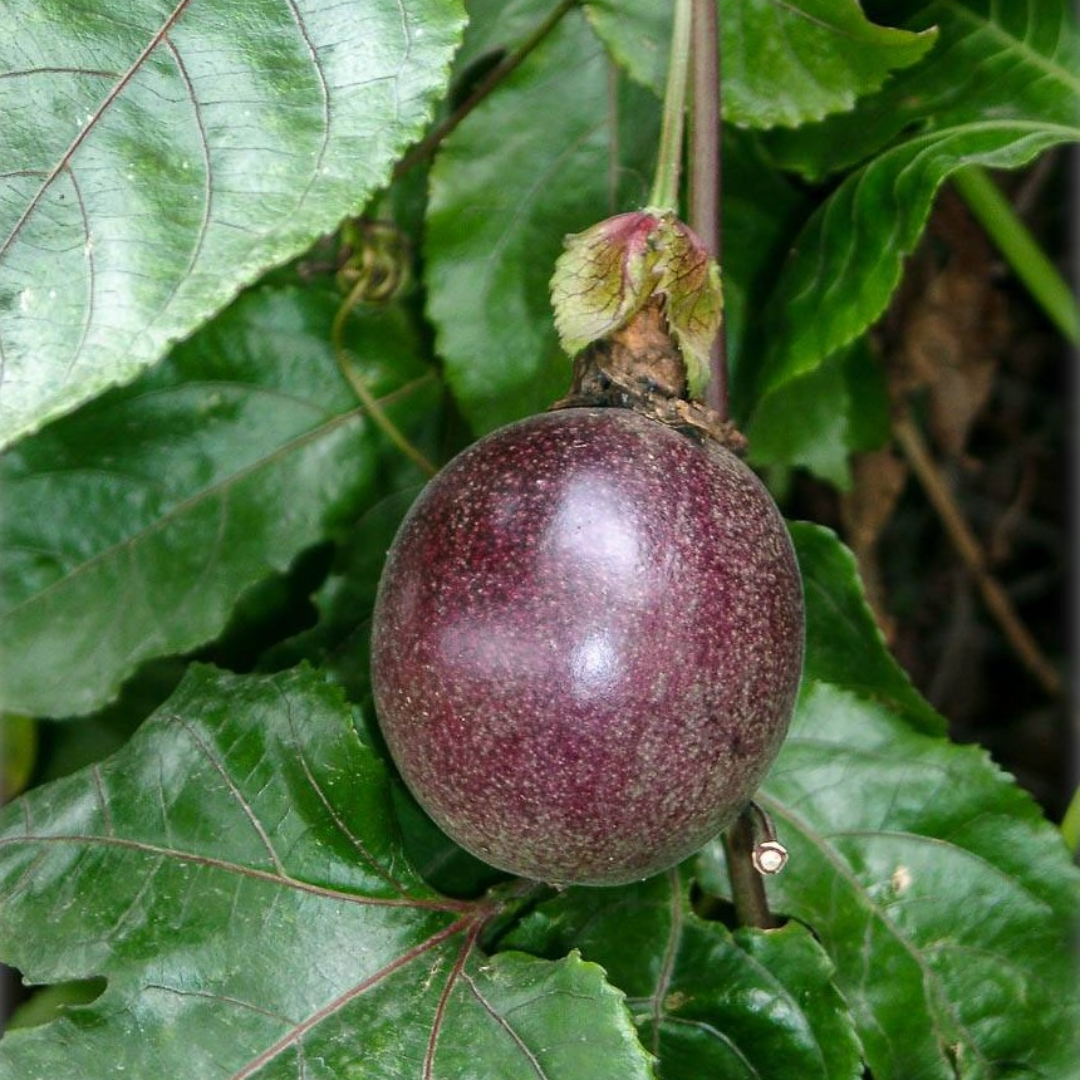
(587, 644)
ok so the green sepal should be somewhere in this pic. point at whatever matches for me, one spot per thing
(610, 271)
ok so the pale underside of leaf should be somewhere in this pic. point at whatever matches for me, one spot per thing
(156, 164)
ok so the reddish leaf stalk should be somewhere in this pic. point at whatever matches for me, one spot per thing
(706, 170)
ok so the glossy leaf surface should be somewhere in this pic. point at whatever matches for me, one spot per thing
(132, 526)
(843, 408)
(245, 895)
(784, 63)
(845, 647)
(243, 882)
(919, 864)
(1005, 91)
(156, 163)
(503, 196)
(707, 1003)
(1019, 59)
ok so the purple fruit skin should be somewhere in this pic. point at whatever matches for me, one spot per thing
(587, 644)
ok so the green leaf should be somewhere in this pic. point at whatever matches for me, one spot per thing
(788, 63)
(842, 407)
(235, 874)
(762, 212)
(1018, 60)
(157, 163)
(503, 195)
(784, 63)
(708, 1004)
(132, 526)
(18, 753)
(496, 26)
(844, 646)
(1012, 97)
(848, 260)
(944, 900)
(339, 642)
(917, 864)
(806, 423)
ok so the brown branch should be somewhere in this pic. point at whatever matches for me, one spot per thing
(370, 402)
(706, 171)
(974, 558)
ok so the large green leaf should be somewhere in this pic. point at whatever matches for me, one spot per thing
(847, 262)
(842, 408)
(785, 61)
(1019, 59)
(156, 163)
(1013, 93)
(708, 1003)
(844, 645)
(496, 26)
(534, 162)
(944, 900)
(132, 526)
(235, 874)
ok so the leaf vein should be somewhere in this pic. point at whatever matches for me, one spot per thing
(340, 824)
(238, 796)
(299, 1030)
(226, 866)
(507, 1027)
(76, 143)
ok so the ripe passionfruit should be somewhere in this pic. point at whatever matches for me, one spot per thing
(587, 644)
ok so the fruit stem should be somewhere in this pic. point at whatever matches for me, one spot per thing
(665, 191)
(1003, 225)
(747, 888)
(706, 171)
(360, 388)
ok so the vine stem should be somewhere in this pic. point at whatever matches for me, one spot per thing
(665, 190)
(1029, 262)
(369, 401)
(913, 445)
(706, 172)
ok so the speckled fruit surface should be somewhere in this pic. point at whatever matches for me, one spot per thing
(587, 644)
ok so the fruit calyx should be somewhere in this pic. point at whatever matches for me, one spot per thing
(638, 305)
